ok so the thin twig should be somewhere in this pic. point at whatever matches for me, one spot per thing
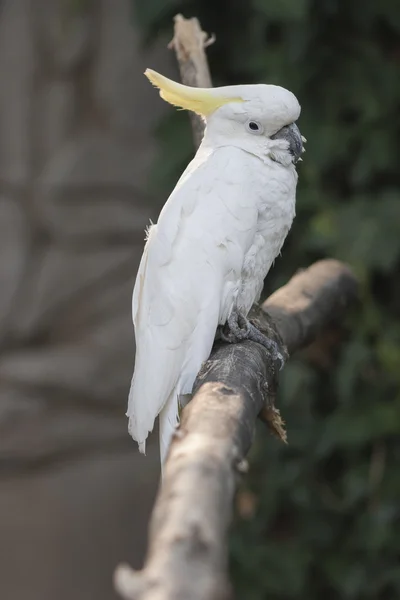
(189, 43)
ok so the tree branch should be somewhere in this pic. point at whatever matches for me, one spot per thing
(187, 554)
(189, 43)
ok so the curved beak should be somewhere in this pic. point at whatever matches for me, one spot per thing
(291, 133)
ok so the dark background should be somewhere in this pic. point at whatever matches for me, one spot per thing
(88, 153)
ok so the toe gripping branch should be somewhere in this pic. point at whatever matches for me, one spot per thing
(269, 414)
(239, 328)
(265, 332)
(261, 329)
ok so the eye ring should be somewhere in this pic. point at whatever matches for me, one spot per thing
(254, 127)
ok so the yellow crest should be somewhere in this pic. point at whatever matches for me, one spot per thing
(202, 101)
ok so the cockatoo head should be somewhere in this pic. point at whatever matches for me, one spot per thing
(258, 118)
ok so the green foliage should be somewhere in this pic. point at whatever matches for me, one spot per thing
(326, 509)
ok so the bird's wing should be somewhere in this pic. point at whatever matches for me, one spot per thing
(192, 256)
(158, 335)
(165, 308)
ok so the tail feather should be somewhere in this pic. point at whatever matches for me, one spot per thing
(149, 391)
(139, 425)
(169, 419)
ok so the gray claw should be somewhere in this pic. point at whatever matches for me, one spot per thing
(240, 328)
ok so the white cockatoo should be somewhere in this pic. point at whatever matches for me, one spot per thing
(205, 261)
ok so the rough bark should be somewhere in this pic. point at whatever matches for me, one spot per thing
(187, 556)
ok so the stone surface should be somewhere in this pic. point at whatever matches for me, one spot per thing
(16, 91)
(76, 148)
(64, 537)
(14, 253)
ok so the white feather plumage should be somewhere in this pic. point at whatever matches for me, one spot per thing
(215, 240)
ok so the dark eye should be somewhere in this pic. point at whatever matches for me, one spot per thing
(254, 127)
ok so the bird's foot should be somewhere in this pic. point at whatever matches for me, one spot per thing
(238, 328)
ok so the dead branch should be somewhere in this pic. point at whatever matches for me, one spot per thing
(187, 553)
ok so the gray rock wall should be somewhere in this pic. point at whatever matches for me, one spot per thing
(76, 116)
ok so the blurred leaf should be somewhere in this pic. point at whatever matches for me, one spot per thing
(282, 9)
